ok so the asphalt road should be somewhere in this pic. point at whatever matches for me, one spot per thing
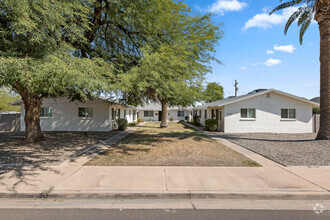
(151, 214)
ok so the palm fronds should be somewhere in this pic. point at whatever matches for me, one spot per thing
(304, 15)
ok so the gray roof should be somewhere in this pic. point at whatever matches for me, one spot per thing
(254, 93)
(158, 107)
(316, 99)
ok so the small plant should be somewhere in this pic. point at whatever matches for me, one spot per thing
(171, 119)
(211, 125)
(186, 118)
(139, 120)
(122, 124)
(196, 119)
(133, 124)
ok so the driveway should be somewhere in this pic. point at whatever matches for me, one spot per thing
(287, 149)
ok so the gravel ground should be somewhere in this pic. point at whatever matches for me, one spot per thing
(54, 148)
(287, 149)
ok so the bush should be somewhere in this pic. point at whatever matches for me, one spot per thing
(122, 124)
(139, 120)
(171, 119)
(316, 110)
(211, 125)
(196, 120)
(186, 118)
(133, 124)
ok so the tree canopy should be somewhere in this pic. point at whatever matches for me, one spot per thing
(213, 92)
(82, 48)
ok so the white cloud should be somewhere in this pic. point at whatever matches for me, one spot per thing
(264, 20)
(270, 52)
(272, 62)
(222, 6)
(243, 68)
(255, 64)
(287, 48)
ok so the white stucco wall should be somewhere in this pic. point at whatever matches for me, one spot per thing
(154, 118)
(129, 114)
(174, 114)
(65, 116)
(170, 113)
(268, 115)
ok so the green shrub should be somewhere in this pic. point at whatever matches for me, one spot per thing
(186, 118)
(122, 124)
(211, 124)
(316, 110)
(196, 120)
(133, 124)
(139, 120)
(171, 119)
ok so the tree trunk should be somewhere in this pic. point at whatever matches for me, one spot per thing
(32, 107)
(163, 123)
(324, 26)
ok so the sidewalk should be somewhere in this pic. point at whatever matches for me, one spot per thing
(73, 180)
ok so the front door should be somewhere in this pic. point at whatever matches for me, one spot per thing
(159, 115)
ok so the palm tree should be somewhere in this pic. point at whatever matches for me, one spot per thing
(319, 10)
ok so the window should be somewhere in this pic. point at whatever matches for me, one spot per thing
(288, 113)
(46, 112)
(148, 114)
(113, 114)
(85, 112)
(205, 113)
(129, 113)
(118, 113)
(200, 113)
(180, 113)
(213, 116)
(248, 113)
(124, 113)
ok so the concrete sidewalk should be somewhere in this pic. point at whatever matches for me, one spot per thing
(222, 182)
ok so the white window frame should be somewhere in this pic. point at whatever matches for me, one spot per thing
(148, 116)
(51, 112)
(85, 112)
(247, 114)
(180, 113)
(288, 118)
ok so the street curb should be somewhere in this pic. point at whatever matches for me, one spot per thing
(184, 195)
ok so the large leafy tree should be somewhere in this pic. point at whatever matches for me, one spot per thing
(320, 11)
(74, 47)
(172, 73)
(213, 92)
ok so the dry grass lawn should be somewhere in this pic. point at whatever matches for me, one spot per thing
(176, 145)
(54, 148)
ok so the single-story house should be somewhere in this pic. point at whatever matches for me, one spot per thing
(262, 110)
(60, 114)
(153, 112)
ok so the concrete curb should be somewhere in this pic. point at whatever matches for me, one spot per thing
(183, 195)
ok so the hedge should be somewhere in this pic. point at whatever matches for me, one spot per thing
(211, 125)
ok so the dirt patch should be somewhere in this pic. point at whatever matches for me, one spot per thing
(54, 148)
(176, 145)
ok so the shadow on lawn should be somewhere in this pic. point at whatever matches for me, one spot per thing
(21, 163)
(147, 139)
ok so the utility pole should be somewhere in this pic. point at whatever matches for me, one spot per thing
(236, 87)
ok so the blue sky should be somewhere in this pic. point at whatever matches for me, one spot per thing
(249, 34)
